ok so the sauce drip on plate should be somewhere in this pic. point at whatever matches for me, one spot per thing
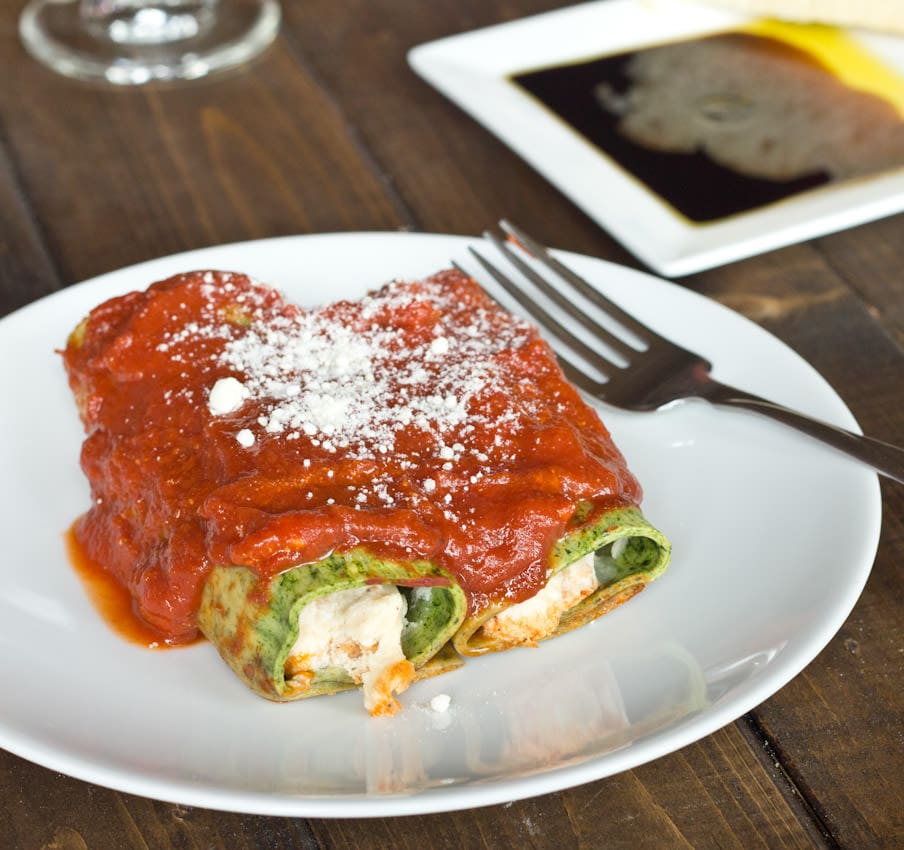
(110, 598)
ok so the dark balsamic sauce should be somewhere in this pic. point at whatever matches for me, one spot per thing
(693, 183)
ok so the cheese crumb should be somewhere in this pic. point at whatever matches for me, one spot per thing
(440, 703)
(226, 396)
(245, 438)
(440, 346)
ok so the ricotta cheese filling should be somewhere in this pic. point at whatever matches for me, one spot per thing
(538, 617)
(358, 631)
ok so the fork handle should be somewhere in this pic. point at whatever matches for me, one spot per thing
(883, 457)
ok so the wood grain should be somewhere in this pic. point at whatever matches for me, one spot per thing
(868, 258)
(432, 149)
(151, 173)
(839, 726)
(715, 793)
(26, 269)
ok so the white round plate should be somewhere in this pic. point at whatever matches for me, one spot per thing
(773, 535)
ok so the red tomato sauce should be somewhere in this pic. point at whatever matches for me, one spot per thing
(227, 426)
(111, 599)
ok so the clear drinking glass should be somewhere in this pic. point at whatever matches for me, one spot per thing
(132, 42)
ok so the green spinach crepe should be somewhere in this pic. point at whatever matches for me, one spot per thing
(255, 625)
(598, 564)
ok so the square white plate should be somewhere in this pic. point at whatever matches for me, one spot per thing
(474, 69)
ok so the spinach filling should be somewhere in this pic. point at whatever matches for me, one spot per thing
(623, 543)
(430, 610)
(624, 557)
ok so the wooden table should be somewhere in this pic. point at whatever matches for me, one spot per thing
(331, 131)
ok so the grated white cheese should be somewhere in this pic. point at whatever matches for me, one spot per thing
(440, 703)
(439, 346)
(355, 388)
(413, 380)
(226, 396)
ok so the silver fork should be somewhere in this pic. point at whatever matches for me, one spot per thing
(660, 373)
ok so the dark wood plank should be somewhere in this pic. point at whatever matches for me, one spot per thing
(837, 727)
(46, 810)
(869, 258)
(796, 294)
(453, 175)
(711, 794)
(122, 176)
(26, 269)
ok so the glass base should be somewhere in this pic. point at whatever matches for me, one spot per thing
(133, 42)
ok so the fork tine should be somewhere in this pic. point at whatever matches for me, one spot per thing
(616, 343)
(589, 292)
(581, 378)
(592, 355)
(572, 372)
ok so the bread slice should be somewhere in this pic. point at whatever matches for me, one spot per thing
(884, 15)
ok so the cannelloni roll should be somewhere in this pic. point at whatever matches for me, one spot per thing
(334, 497)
